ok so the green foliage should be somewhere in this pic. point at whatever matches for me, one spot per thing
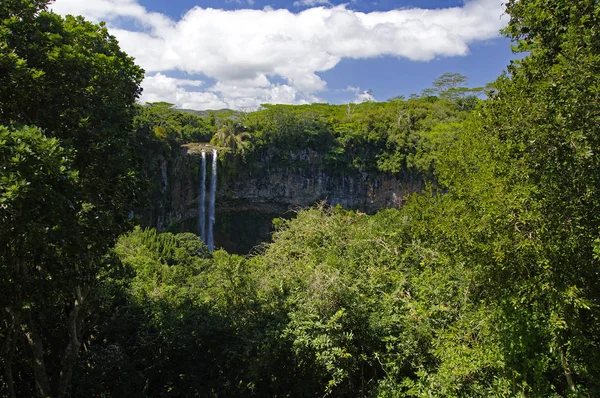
(69, 182)
(371, 137)
(38, 212)
(451, 86)
(486, 284)
(179, 327)
(160, 123)
(232, 135)
(519, 204)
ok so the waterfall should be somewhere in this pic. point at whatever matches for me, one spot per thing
(207, 236)
(202, 201)
(211, 203)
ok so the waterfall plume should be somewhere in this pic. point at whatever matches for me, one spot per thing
(211, 203)
(202, 201)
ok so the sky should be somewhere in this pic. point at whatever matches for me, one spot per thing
(239, 54)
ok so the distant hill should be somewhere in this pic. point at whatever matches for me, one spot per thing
(219, 112)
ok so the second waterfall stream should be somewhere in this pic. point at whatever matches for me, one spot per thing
(206, 225)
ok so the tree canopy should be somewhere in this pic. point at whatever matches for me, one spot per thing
(484, 284)
(69, 182)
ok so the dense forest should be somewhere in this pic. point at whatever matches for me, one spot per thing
(485, 284)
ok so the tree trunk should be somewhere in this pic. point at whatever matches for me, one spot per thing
(567, 369)
(42, 384)
(8, 351)
(75, 327)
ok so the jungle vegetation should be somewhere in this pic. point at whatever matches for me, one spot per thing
(484, 285)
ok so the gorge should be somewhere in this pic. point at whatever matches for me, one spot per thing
(237, 213)
(280, 159)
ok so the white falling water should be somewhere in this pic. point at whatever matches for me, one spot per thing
(202, 201)
(211, 203)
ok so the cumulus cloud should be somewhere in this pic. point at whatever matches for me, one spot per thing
(238, 95)
(243, 50)
(360, 95)
(112, 11)
(183, 92)
(246, 94)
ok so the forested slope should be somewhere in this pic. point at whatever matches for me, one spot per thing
(485, 284)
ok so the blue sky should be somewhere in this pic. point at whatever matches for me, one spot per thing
(176, 9)
(241, 53)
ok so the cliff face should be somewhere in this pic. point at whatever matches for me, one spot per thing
(173, 202)
(250, 194)
(304, 179)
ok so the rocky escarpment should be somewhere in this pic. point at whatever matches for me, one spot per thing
(250, 193)
(173, 200)
(303, 179)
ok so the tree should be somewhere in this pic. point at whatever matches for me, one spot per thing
(37, 188)
(522, 205)
(548, 113)
(231, 134)
(68, 78)
(452, 86)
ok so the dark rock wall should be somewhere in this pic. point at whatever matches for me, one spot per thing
(173, 201)
(304, 179)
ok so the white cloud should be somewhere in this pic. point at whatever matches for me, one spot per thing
(244, 49)
(240, 94)
(360, 95)
(108, 10)
(159, 87)
(365, 96)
